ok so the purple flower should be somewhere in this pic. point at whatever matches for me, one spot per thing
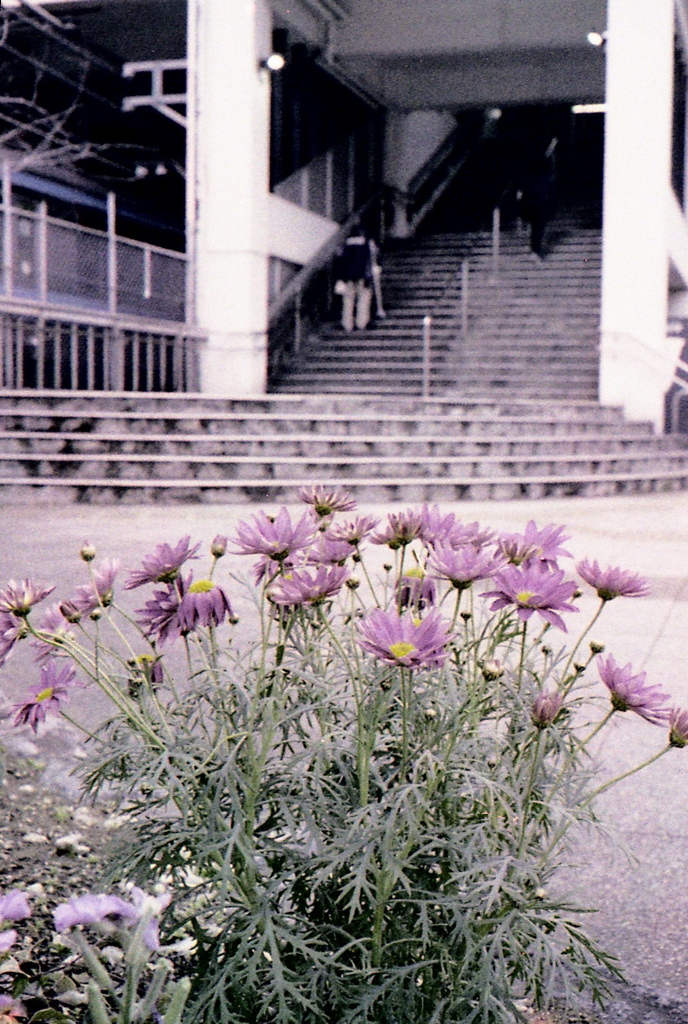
(328, 551)
(19, 598)
(56, 680)
(416, 589)
(463, 565)
(102, 909)
(56, 628)
(204, 604)
(629, 692)
(98, 592)
(403, 640)
(325, 501)
(164, 564)
(303, 587)
(534, 545)
(678, 727)
(469, 533)
(92, 909)
(435, 527)
(10, 632)
(10, 1009)
(7, 939)
(14, 906)
(400, 530)
(612, 582)
(533, 588)
(545, 709)
(159, 616)
(277, 538)
(354, 530)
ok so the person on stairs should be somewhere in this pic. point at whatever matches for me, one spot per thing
(355, 277)
(539, 198)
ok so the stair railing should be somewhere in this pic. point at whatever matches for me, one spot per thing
(308, 298)
(426, 361)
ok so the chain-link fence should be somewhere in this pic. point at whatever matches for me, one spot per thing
(55, 263)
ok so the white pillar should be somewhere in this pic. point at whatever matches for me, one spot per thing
(637, 180)
(229, 147)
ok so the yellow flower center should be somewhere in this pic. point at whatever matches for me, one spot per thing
(416, 573)
(45, 694)
(525, 596)
(401, 649)
(201, 587)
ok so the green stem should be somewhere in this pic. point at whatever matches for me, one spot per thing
(575, 649)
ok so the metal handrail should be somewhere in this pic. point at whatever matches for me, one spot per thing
(323, 256)
(120, 321)
(426, 374)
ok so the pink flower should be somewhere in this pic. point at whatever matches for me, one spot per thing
(328, 551)
(629, 693)
(532, 588)
(101, 909)
(19, 598)
(612, 582)
(56, 630)
(11, 630)
(303, 587)
(56, 681)
(276, 538)
(325, 500)
(403, 640)
(464, 565)
(678, 727)
(14, 906)
(416, 589)
(98, 592)
(354, 530)
(8, 939)
(163, 565)
(534, 545)
(545, 709)
(401, 529)
(159, 618)
(204, 604)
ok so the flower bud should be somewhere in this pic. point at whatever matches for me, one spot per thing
(578, 667)
(466, 616)
(352, 583)
(88, 551)
(219, 546)
(546, 650)
(492, 670)
(96, 614)
(596, 647)
(545, 709)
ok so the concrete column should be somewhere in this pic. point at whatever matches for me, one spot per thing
(637, 183)
(411, 138)
(229, 148)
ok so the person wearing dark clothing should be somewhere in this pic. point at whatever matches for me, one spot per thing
(538, 199)
(356, 264)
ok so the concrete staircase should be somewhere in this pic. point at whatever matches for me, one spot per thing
(63, 447)
(532, 327)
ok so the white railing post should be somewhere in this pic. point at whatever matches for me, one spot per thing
(464, 297)
(112, 252)
(427, 330)
(495, 241)
(8, 229)
(297, 324)
(147, 275)
(43, 252)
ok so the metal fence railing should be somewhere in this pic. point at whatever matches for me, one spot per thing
(95, 353)
(51, 262)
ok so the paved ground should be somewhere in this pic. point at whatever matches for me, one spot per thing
(642, 896)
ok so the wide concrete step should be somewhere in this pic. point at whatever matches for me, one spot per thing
(207, 468)
(605, 442)
(412, 489)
